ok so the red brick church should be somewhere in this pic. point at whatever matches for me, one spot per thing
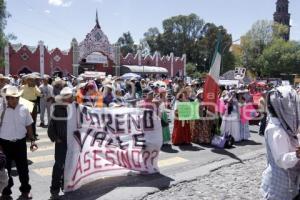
(94, 53)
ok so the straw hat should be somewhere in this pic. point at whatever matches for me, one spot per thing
(32, 76)
(200, 91)
(65, 93)
(58, 80)
(12, 91)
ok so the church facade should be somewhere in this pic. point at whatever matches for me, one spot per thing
(94, 53)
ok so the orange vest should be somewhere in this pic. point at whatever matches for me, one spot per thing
(94, 100)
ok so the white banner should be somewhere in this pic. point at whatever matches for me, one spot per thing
(239, 73)
(96, 58)
(111, 142)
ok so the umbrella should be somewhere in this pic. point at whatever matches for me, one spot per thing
(130, 75)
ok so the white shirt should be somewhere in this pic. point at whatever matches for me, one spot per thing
(15, 122)
(283, 151)
(46, 91)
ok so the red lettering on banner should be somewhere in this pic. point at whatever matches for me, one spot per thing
(154, 156)
(78, 167)
(137, 153)
(87, 161)
(110, 159)
(125, 159)
(97, 158)
(146, 158)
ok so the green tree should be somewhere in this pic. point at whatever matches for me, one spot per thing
(127, 44)
(208, 43)
(3, 16)
(4, 38)
(257, 39)
(151, 37)
(190, 35)
(280, 57)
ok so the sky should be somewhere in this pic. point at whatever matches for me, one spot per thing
(57, 22)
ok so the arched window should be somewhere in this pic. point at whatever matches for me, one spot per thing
(25, 70)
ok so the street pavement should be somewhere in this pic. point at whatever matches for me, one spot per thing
(233, 182)
(173, 162)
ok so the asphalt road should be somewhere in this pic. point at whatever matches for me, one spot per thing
(173, 160)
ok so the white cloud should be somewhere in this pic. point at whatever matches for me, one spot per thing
(293, 23)
(98, 1)
(29, 10)
(56, 2)
(60, 3)
(47, 11)
(67, 4)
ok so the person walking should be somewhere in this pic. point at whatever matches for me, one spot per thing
(16, 121)
(58, 129)
(263, 110)
(31, 93)
(280, 178)
(45, 100)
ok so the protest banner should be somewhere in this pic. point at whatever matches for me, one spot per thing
(188, 110)
(111, 142)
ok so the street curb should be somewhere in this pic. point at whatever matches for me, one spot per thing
(139, 191)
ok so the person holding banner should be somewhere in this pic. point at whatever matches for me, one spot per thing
(57, 132)
(181, 132)
(202, 128)
(164, 116)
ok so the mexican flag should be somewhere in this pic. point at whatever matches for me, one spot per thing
(211, 86)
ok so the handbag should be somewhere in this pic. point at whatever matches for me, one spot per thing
(222, 141)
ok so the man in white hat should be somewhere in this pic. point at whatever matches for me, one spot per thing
(61, 124)
(31, 92)
(15, 126)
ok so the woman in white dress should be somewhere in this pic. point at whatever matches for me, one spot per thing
(231, 119)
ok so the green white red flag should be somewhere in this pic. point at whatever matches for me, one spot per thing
(211, 86)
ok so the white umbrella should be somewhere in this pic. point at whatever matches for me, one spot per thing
(130, 75)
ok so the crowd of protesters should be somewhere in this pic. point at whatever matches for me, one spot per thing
(159, 94)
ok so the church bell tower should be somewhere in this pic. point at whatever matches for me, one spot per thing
(282, 15)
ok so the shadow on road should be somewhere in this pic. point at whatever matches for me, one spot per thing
(99, 188)
(227, 153)
(190, 147)
(168, 149)
(253, 131)
(247, 142)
